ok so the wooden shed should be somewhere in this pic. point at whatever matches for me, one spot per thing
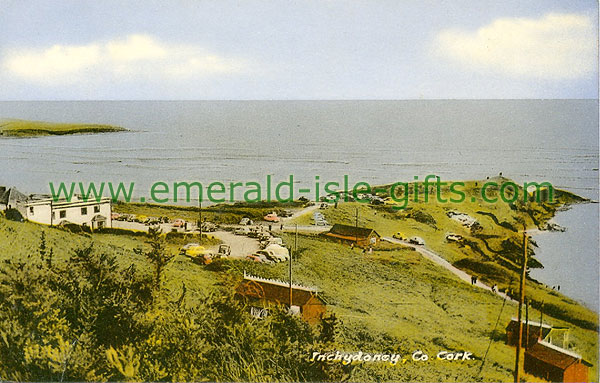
(555, 364)
(361, 236)
(260, 293)
(532, 332)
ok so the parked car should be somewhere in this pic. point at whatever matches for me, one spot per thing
(416, 241)
(278, 252)
(199, 254)
(224, 250)
(254, 232)
(264, 237)
(399, 235)
(271, 241)
(208, 227)
(185, 247)
(268, 255)
(242, 231)
(258, 257)
(152, 221)
(271, 217)
(454, 237)
(178, 223)
(321, 222)
(246, 221)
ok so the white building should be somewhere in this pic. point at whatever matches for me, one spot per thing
(92, 213)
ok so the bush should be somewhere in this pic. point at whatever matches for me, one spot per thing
(118, 231)
(88, 319)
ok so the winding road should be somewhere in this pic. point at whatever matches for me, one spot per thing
(432, 256)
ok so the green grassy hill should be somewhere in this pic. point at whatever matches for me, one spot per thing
(24, 128)
(393, 300)
(397, 300)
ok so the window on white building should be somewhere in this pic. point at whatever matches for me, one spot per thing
(84, 211)
(31, 210)
(97, 209)
(62, 214)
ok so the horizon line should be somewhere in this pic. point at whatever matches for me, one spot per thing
(304, 99)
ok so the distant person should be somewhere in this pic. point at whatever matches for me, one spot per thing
(494, 288)
(352, 246)
(270, 227)
(281, 227)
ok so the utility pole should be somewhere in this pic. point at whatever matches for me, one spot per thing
(526, 324)
(519, 316)
(291, 256)
(541, 320)
(200, 216)
(356, 227)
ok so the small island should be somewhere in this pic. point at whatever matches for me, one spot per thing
(25, 128)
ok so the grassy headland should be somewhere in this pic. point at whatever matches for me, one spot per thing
(24, 128)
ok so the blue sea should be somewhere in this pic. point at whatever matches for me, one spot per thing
(373, 141)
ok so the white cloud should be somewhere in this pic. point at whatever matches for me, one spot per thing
(134, 57)
(134, 48)
(555, 46)
(56, 61)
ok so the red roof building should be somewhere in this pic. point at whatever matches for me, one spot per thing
(555, 364)
(260, 293)
(361, 236)
(532, 332)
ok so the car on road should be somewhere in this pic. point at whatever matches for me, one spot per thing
(246, 221)
(416, 241)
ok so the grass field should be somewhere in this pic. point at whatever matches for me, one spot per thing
(393, 300)
(24, 128)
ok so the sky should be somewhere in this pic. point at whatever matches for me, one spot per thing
(311, 49)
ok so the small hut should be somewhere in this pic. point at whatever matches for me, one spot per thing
(555, 364)
(261, 293)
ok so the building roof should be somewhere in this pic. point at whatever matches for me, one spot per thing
(351, 231)
(554, 355)
(62, 203)
(531, 323)
(276, 291)
(12, 194)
